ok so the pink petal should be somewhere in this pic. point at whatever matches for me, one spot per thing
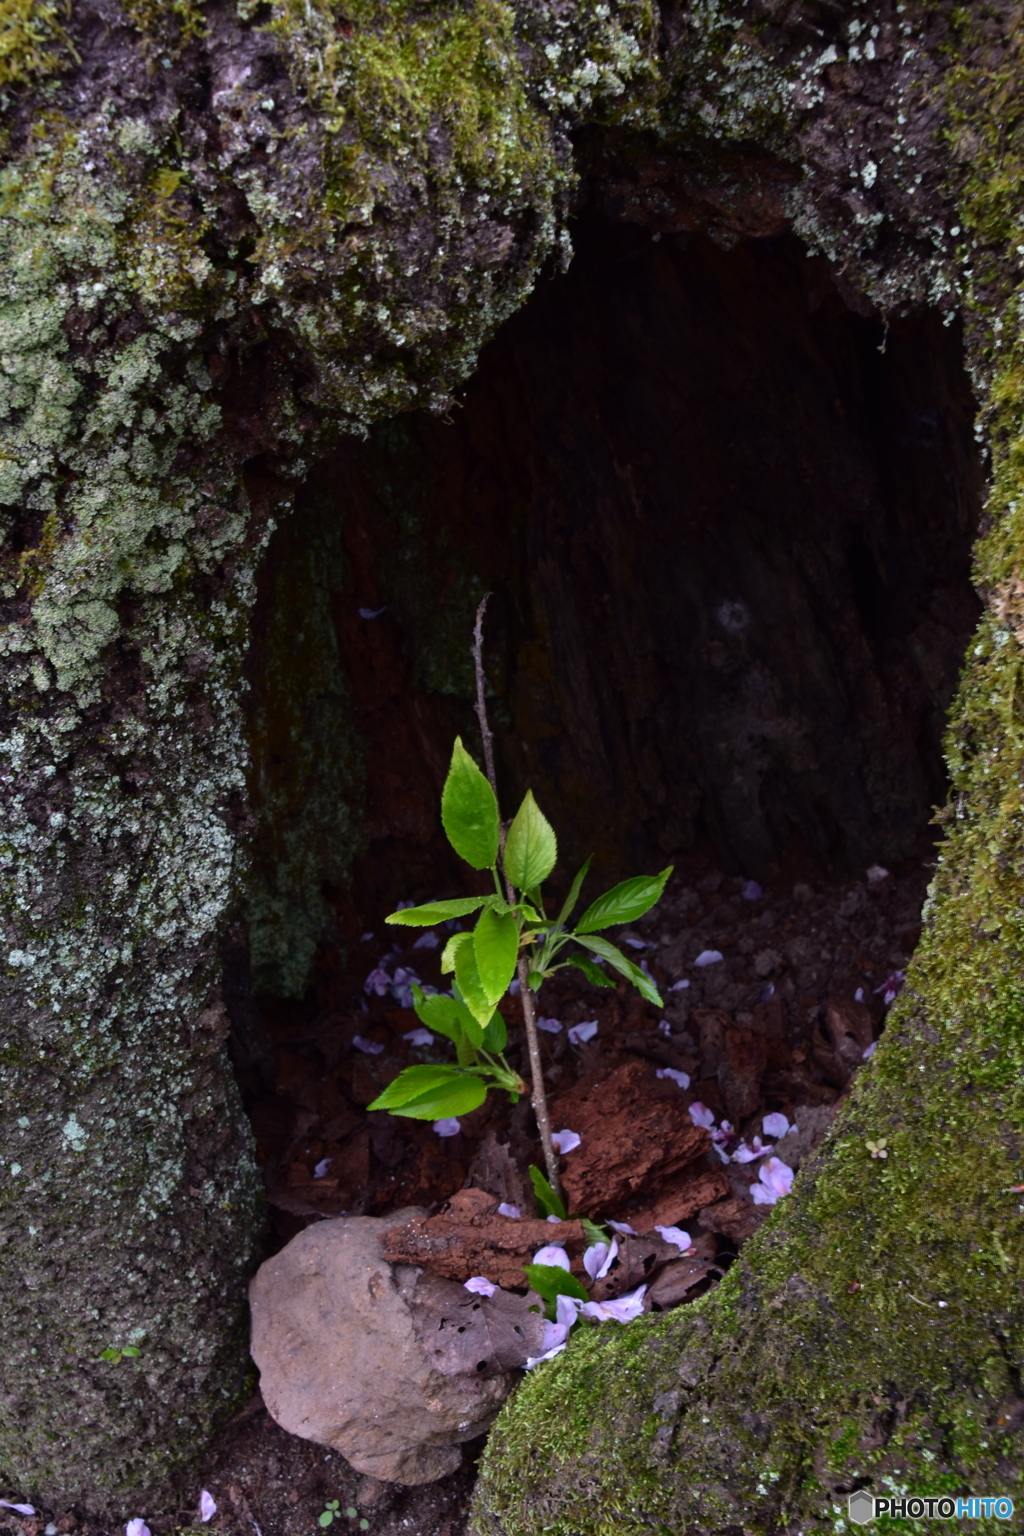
(776, 1176)
(635, 943)
(428, 940)
(676, 1235)
(622, 1227)
(665, 1028)
(708, 957)
(19, 1509)
(320, 1171)
(449, 1127)
(876, 874)
(549, 1355)
(207, 1507)
(581, 1033)
(512, 1211)
(565, 1141)
(418, 1036)
(869, 1051)
(567, 1310)
(378, 981)
(480, 1285)
(368, 1047)
(622, 1309)
(680, 986)
(701, 1115)
(682, 1078)
(371, 613)
(762, 1195)
(613, 1253)
(550, 1026)
(752, 891)
(775, 1125)
(552, 1255)
(594, 1258)
(554, 1334)
(137, 1528)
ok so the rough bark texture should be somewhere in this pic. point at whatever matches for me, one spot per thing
(230, 231)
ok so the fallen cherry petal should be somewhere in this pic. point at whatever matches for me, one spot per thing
(554, 1334)
(550, 1026)
(137, 1528)
(722, 1153)
(775, 1125)
(869, 1051)
(428, 940)
(581, 1033)
(745, 1154)
(636, 943)
(599, 1258)
(775, 1180)
(567, 1309)
(446, 1127)
(676, 1235)
(19, 1509)
(553, 1255)
(404, 977)
(565, 1141)
(623, 1228)
(768, 992)
(682, 1078)
(480, 1285)
(378, 981)
(555, 1219)
(701, 1115)
(371, 613)
(419, 1036)
(621, 1309)
(858, 996)
(665, 1028)
(368, 1047)
(512, 1211)
(513, 986)
(876, 874)
(320, 1171)
(752, 891)
(538, 1359)
(366, 937)
(680, 986)
(207, 1507)
(708, 957)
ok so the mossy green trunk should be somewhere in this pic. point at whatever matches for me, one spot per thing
(228, 232)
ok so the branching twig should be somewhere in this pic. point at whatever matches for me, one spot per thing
(539, 1098)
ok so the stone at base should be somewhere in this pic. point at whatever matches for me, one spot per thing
(341, 1362)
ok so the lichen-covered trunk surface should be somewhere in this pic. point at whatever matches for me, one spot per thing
(227, 233)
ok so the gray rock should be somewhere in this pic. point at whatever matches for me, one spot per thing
(392, 1368)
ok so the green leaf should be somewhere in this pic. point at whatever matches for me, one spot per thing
(624, 903)
(451, 949)
(535, 980)
(439, 1013)
(432, 1093)
(625, 967)
(471, 990)
(548, 1201)
(594, 1233)
(495, 1035)
(113, 1355)
(530, 847)
(469, 811)
(551, 1281)
(327, 1518)
(131, 1352)
(496, 947)
(437, 911)
(591, 971)
(574, 892)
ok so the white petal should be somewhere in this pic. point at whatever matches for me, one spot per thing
(450, 1127)
(553, 1254)
(480, 1285)
(565, 1141)
(504, 1209)
(682, 1078)
(708, 957)
(676, 1235)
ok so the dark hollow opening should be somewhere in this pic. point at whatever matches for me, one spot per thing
(726, 519)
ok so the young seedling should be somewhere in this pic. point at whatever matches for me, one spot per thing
(512, 937)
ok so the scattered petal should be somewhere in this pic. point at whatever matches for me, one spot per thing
(775, 1125)
(446, 1127)
(404, 977)
(555, 1219)
(371, 613)
(722, 1153)
(636, 943)
(876, 874)
(665, 1028)
(366, 938)
(553, 1254)
(701, 1115)
(320, 1171)
(512, 1211)
(623, 1228)
(137, 1528)
(599, 1258)
(891, 986)
(549, 1026)
(858, 996)
(676, 1235)
(646, 970)
(769, 991)
(378, 981)
(428, 940)
(752, 891)
(567, 1309)
(621, 1309)
(19, 1509)
(419, 1036)
(513, 986)
(581, 1033)
(480, 1285)
(708, 957)
(549, 1355)
(869, 1051)
(775, 1179)
(368, 1047)
(745, 1154)
(680, 986)
(207, 1506)
(682, 1078)
(565, 1141)
(554, 1334)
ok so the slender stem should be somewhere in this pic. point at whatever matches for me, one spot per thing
(540, 1103)
(539, 1100)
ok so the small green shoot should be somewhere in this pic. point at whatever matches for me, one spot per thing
(331, 1513)
(115, 1356)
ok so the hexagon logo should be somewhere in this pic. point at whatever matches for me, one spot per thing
(861, 1507)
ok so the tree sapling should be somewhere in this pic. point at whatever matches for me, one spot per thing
(512, 937)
